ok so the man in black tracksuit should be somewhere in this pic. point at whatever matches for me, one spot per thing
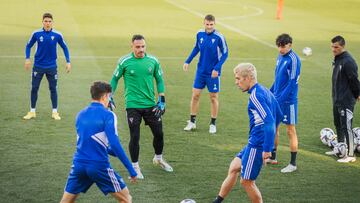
(345, 92)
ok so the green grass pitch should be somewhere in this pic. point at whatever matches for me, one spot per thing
(36, 155)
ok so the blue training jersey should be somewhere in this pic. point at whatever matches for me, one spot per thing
(287, 74)
(264, 116)
(97, 137)
(46, 51)
(213, 52)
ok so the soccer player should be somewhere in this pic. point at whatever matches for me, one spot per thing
(47, 39)
(345, 92)
(97, 137)
(139, 70)
(285, 89)
(213, 53)
(264, 115)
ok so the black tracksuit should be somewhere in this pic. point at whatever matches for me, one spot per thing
(345, 90)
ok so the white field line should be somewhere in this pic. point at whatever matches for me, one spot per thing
(117, 57)
(225, 25)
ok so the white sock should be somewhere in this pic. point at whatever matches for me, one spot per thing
(158, 157)
(32, 110)
(54, 110)
(135, 164)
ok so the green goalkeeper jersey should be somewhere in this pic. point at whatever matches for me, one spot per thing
(139, 74)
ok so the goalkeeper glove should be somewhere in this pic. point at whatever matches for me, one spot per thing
(159, 109)
(111, 104)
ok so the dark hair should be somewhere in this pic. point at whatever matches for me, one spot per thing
(137, 37)
(209, 17)
(339, 39)
(283, 40)
(47, 15)
(99, 89)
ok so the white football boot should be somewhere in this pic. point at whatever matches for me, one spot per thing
(288, 169)
(212, 129)
(163, 164)
(190, 126)
(347, 159)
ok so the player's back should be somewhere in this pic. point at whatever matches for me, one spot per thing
(92, 141)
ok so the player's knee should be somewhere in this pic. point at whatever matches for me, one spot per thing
(246, 183)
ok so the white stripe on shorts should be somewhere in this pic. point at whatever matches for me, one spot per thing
(292, 114)
(250, 163)
(114, 180)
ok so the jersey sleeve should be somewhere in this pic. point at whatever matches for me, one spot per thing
(224, 53)
(118, 72)
(264, 110)
(65, 48)
(30, 43)
(115, 147)
(351, 69)
(294, 75)
(194, 52)
(158, 74)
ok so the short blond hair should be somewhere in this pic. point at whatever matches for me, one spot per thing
(246, 69)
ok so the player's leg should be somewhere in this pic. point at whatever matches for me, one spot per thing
(123, 196)
(252, 190)
(252, 162)
(36, 77)
(155, 124)
(346, 116)
(134, 120)
(231, 179)
(213, 85)
(290, 119)
(199, 84)
(52, 78)
(68, 198)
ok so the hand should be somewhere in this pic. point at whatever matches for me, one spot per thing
(159, 109)
(214, 74)
(133, 179)
(265, 155)
(68, 67)
(186, 67)
(358, 99)
(27, 64)
(111, 104)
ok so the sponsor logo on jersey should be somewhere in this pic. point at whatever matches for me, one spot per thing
(285, 118)
(41, 38)
(201, 40)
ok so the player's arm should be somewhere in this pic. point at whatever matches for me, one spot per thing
(350, 69)
(65, 49)
(28, 46)
(118, 72)
(294, 71)
(261, 106)
(115, 147)
(224, 54)
(194, 52)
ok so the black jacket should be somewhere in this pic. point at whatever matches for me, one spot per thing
(345, 82)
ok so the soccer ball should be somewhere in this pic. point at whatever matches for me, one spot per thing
(340, 149)
(327, 135)
(307, 51)
(332, 143)
(188, 201)
(356, 132)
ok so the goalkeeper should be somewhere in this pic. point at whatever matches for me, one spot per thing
(139, 70)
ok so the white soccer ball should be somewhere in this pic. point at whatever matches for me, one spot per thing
(307, 51)
(188, 201)
(327, 135)
(332, 143)
(356, 132)
(340, 149)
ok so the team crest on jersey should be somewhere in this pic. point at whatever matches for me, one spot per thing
(132, 71)
(41, 38)
(52, 37)
(150, 69)
(285, 118)
(201, 40)
(213, 40)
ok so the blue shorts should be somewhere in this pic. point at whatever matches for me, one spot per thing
(81, 177)
(212, 84)
(251, 162)
(290, 111)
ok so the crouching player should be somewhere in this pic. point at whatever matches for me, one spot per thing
(264, 115)
(96, 138)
